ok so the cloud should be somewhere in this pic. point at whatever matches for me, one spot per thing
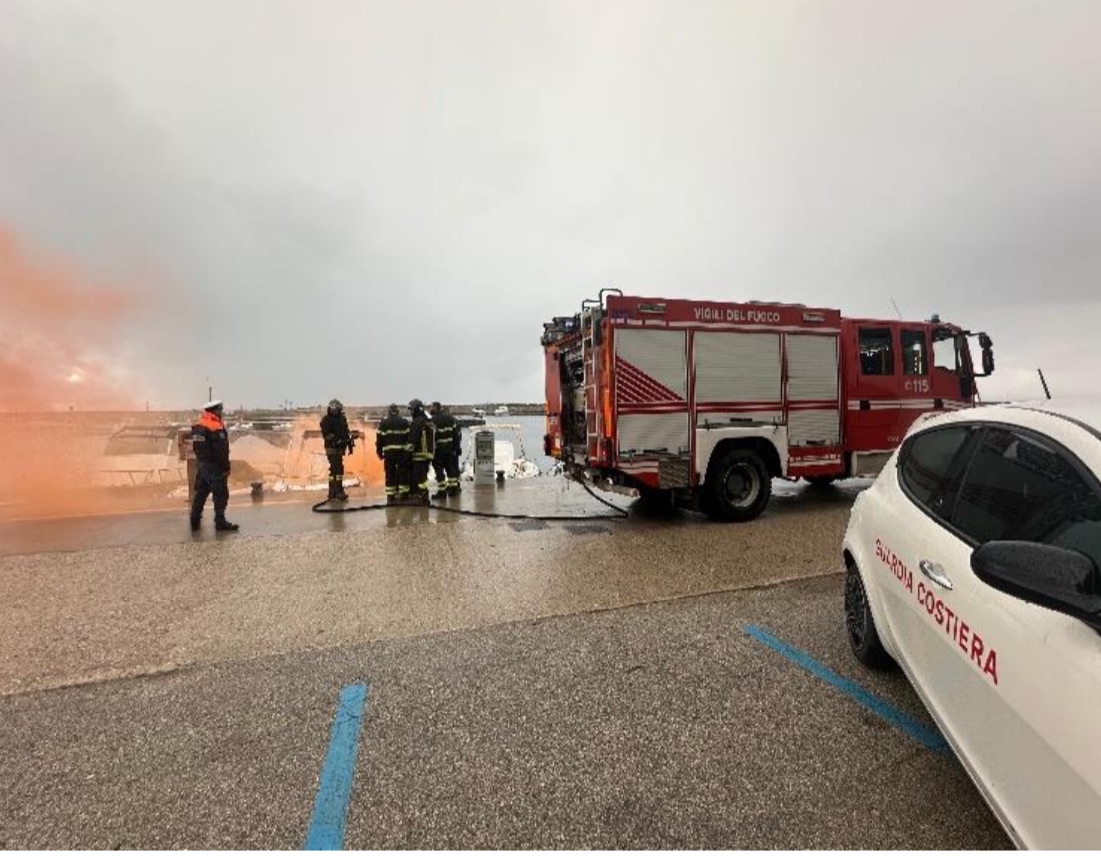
(55, 337)
(377, 201)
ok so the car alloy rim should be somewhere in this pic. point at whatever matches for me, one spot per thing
(855, 608)
(741, 485)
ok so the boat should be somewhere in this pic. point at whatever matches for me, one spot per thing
(501, 411)
(509, 457)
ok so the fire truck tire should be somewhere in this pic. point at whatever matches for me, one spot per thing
(738, 486)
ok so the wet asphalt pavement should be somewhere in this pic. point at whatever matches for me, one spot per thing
(558, 685)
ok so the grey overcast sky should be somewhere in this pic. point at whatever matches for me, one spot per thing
(376, 200)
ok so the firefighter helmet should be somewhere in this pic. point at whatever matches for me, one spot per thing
(416, 404)
(335, 406)
(213, 406)
(394, 410)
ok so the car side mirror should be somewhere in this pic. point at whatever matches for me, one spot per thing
(1062, 580)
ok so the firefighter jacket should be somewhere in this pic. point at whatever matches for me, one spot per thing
(392, 435)
(210, 441)
(446, 430)
(422, 437)
(334, 430)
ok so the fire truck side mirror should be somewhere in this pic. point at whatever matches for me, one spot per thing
(987, 345)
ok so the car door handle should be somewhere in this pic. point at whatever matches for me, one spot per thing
(936, 573)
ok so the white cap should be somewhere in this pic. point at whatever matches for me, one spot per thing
(213, 405)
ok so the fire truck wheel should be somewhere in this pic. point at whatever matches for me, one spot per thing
(738, 486)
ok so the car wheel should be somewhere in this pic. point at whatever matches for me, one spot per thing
(738, 486)
(860, 626)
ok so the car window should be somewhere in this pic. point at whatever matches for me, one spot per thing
(1020, 488)
(931, 464)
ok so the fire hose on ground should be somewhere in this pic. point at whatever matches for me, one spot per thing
(325, 508)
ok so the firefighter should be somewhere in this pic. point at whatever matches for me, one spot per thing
(445, 462)
(454, 488)
(339, 441)
(392, 446)
(211, 445)
(422, 442)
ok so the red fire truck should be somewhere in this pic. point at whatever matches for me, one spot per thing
(702, 403)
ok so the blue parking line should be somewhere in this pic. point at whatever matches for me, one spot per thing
(330, 806)
(927, 737)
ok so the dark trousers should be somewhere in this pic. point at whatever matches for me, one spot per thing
(209, 479)
(446, 467)
(419, 483)
(397, 466)
(336, 473)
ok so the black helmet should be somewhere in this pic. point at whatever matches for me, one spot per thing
(335, 406)
(435, 408)
(394, 410)
(416, 404)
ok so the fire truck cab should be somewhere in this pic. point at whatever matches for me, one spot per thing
(704, 403)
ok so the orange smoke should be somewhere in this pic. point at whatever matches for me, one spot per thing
(55, 336)
(364, 464)
(54, 464)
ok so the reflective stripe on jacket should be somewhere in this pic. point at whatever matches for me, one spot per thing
(422, 438)
(445, 431)
(392, 435)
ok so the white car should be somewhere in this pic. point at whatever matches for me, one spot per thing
(973, 563)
